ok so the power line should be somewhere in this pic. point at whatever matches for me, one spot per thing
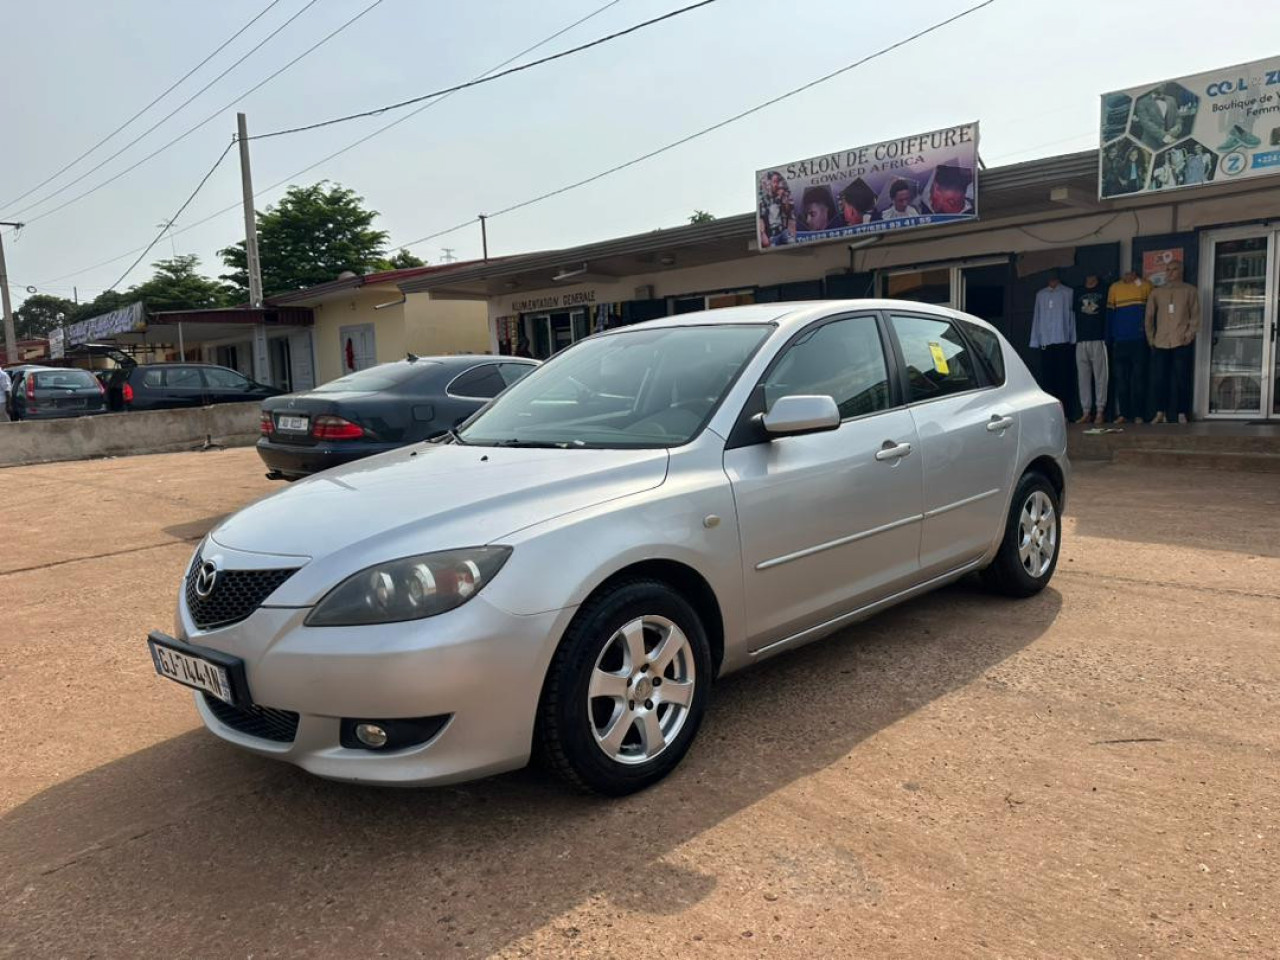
(715, 126)
(355, 143)
(147, 132)
(185, 203)
(487, 79)
(173, 86)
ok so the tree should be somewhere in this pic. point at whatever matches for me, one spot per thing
(313, 234)
(176, 285)
(701, 216)
(104, 302)
(401, 260)
(40, 313)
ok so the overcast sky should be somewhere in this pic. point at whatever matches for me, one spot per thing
(1029, 70)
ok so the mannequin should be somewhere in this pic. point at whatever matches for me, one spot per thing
(1053, 332)
(1172, 322)
(1091, 349)
(1126, 332)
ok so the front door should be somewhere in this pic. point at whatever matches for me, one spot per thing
(1239, 370)
(828, 522)
(968, 438)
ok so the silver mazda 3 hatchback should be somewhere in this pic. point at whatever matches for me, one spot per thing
(658, 505)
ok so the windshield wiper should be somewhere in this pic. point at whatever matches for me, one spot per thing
(540, 444)
(452, 434)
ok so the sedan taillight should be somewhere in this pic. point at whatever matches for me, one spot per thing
(335, 428)
(127, 393)
(265, 425)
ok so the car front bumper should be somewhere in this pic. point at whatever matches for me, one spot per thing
(478, 664)
(296, 460)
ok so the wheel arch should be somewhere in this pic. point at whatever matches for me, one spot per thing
(1052, 471)
(689, 583)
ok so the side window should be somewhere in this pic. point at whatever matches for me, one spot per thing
(188, 378)
(843, 360)
(511, 372)
(938, 359)
(224, 379)
(987, 345)
(153, 378)
(481, 382)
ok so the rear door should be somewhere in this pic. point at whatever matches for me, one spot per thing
(968, 435)
(829, 522)
(181, 386)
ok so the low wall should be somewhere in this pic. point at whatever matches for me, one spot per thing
(124, 434)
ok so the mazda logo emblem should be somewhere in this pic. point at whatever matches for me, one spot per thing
(206, 579)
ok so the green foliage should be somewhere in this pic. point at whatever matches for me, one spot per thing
(176, 285)
(313, 234)
(401, 260)
(701, 216)
(40, 313)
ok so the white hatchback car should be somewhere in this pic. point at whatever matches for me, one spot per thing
(654, 507)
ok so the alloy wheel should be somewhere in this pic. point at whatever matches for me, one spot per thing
(1037, 534)
(641, 689)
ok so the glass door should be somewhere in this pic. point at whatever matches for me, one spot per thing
(1242, 317)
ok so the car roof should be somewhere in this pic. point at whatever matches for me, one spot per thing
(787, 315)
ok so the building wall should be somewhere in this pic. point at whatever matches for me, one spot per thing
(435, 327)
(352, 308)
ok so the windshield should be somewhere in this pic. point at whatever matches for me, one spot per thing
(636, 388)
(374, 379)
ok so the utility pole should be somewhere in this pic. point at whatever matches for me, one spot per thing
(253, 264)
(446, 255)
(484, 237)
(10, 338)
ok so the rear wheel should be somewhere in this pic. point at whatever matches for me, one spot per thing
(626, 690)
(1028, 554)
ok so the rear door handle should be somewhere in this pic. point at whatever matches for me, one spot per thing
(997, 423)
(893, 451)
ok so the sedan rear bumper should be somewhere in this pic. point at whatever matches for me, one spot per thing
(296, 460)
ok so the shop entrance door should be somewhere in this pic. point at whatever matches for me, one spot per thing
(1237, 374)
(552, 332)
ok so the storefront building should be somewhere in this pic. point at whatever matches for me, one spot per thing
(1035, 217)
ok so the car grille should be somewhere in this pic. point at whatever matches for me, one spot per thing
(236, 594)
(254, 721)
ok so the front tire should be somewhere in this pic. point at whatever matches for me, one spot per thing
(1028, 554)
(626, 690)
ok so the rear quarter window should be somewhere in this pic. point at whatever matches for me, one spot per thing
(990, 352)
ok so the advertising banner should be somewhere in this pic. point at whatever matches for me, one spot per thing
(915, 181)
(1208, 128)
(125, 320)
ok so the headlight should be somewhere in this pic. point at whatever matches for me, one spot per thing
(409, 589)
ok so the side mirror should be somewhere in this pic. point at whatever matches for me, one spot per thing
(801, 414)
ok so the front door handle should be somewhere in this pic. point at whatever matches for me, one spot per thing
(998, 423)
(893, 451)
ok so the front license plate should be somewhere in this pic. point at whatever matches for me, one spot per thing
(190, 671)
(293, 424)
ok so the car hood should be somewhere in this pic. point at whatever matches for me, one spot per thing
(430, 497)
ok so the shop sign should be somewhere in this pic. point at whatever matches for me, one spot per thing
(57, 343)
(125, 320)
(915, 181)
(554, 301)
(1208, 128)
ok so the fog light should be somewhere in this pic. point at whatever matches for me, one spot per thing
(371, 735)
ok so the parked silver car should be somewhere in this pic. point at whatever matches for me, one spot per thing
(656, 506)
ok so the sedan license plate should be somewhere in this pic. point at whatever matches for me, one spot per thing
(191, 671)
(293, 424)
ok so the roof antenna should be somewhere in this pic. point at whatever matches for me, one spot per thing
(412, 357)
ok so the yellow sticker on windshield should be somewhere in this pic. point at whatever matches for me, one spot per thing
(939, 358)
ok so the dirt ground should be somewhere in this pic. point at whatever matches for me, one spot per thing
(1089, 773)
